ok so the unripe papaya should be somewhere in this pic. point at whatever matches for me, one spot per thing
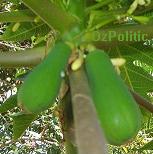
(117, 110)
(41, 87)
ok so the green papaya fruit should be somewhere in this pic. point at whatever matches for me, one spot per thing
(119, 115)
(41, 87)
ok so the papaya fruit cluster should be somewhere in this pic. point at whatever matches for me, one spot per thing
(118, 113)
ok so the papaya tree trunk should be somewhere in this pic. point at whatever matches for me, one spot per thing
(88, 134)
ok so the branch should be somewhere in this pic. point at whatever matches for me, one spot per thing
(88, 133)
(142, 102)
(27, 58)
(102, 38)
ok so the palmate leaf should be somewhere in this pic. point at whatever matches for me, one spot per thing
(148, 146)
(101, 18)
(25, 31)
(14, 1)
(138, 68)
(9, 104)
(51, 14)
(21, 122)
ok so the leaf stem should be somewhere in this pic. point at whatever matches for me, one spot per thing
(98, 5)
(102, 38)
(27, 58)
(142, 102)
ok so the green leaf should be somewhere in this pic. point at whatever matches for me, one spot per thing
(21, 122)
(1, 1)
(77, 8)
(9, 104)
(14, 1)
(17, 16)
(146, 114)
(141, 19)
(148, 146)
(102, 18)
(51, 14)
(149, 131)
(25, 31)
(21, 77)
(138, 68)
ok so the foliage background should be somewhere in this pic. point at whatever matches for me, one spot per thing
(45, 134)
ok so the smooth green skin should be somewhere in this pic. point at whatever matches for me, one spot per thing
(41, 87)
(118, 112)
